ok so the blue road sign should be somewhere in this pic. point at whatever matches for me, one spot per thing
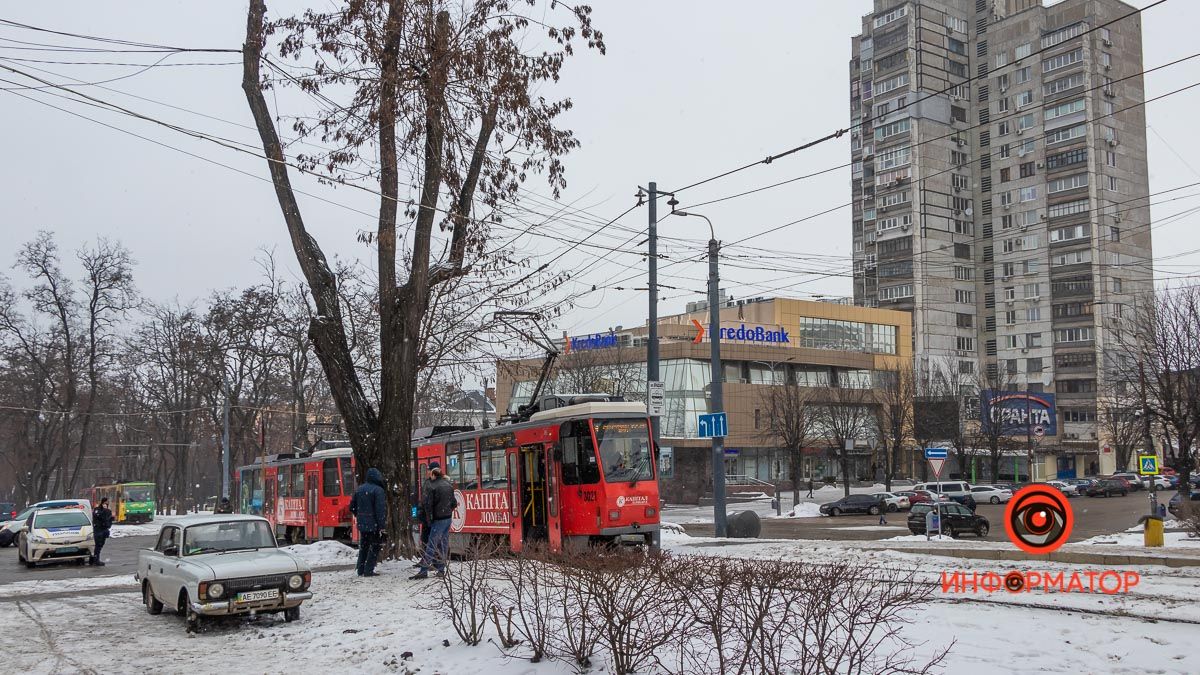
(714, 425)
(1147, 465)
(936, 453)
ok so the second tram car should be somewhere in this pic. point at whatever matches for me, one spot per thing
(578, 473)
(306, 498)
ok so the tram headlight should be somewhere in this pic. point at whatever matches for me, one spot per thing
(651, 511)
(614, 515)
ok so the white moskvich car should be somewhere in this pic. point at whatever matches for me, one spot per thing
(220, 566)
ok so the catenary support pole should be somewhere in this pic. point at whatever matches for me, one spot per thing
(224, 438)
(652, 333)
(718, 399)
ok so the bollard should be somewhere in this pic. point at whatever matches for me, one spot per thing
(1152, 531)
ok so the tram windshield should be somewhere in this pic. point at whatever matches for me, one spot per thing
(624, 450)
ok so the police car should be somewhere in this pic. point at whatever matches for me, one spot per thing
(51, 535)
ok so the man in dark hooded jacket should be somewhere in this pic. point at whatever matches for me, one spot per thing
(369, 506)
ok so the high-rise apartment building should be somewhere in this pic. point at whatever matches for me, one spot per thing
(1000, 192)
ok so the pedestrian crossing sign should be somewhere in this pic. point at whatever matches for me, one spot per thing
(1148, 465)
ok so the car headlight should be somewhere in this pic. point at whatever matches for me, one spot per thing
(216, 590)
(295, 582)
(37, 539)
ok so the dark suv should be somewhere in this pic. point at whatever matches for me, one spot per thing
(956, 519)
(854, 504)
(1107, 487)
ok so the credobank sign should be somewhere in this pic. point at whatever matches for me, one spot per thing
(744, 333)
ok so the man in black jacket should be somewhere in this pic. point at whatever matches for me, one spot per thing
(438, 504)
(102, 520)
(369, 506)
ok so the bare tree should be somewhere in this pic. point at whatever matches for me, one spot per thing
(792, 423)
(895, 392)
(937, 408)
(991, 438)
(846, 414)
(451, 87)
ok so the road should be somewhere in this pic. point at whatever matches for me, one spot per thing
(120, 557)
(1093, 516)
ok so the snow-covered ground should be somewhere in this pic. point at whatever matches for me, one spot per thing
(147, 529)
(807, 507)
(356, 625)
(1135, 537)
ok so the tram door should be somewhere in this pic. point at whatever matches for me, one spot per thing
(312, 528)
(527, 479)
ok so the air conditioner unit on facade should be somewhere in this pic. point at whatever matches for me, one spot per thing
(958, 189)
(1041, 165)
(904, 228)
(1109, 92)
(1107, 42)
(1072, 436)
(1112, 142)
(1007, 207)
(961, 141)
(1108, 66)
(1020, 131)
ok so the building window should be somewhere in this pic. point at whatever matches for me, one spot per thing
(897, 13)
(896, 292)
(891, 84)
(1062, 84)
(1023, 75)
(1012, 341)
(1064, 109)
(1010, 293)
(1062, 60)
(965, 344)
(955, 24)
(1033, 365)
(1027, 169)
(1106, 60)
(956, 68)
(964, 273)
(1111, 183)
(1110, 158)
(1077, 156)
(1024, 98)
(1023, 50)
(1033, 314)
(892, 129)
(894, 199)
(1071, 258)
(1072, 309)
(1033, 290)
(1070, 232)
(1005, 175)
(1067, 208)
(1005, 151)
(1076, 386)
(1080, 334)
(1026, 146)
(965, 297)
(962, 251)
(1029, 194)
(1063, 34)
(964, 320)
(1079, 180)
(893, 158)
(1033, 339)
(1064, 135)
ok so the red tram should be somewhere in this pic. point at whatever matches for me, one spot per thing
(581, 472)
(305, 498)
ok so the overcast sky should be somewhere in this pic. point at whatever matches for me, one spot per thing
(687, 90)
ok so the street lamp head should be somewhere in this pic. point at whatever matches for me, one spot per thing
(672, 202)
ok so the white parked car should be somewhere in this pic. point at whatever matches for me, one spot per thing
(1160, 482)
(1066, 488)
(990, 494)
(221, 565)
(52, 535)
(894, 502)
(10, 529)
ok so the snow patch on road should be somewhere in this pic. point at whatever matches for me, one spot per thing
(25, 588)
(939, 539)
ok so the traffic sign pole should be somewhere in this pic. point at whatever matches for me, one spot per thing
(937, 459)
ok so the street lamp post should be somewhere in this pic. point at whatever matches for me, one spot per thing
(718, 398)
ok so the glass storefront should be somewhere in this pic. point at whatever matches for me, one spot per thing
(849, 336)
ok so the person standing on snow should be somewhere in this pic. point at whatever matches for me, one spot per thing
(102, 520)
(369, 506)
(438, 504)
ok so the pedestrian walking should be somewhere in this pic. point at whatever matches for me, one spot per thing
(810, 487)
(102, 520)
(369, 506)
(883, 507)
(438, 503)
(224, 506)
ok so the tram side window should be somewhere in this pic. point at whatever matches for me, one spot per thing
(470, 477)
(578, 459)
(491, 466)
(297, 480)
(285, 485)
(348, 484)
(329, 478)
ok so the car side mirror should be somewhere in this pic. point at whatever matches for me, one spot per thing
(172, 551)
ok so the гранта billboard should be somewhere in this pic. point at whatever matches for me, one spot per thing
(1018, 413)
